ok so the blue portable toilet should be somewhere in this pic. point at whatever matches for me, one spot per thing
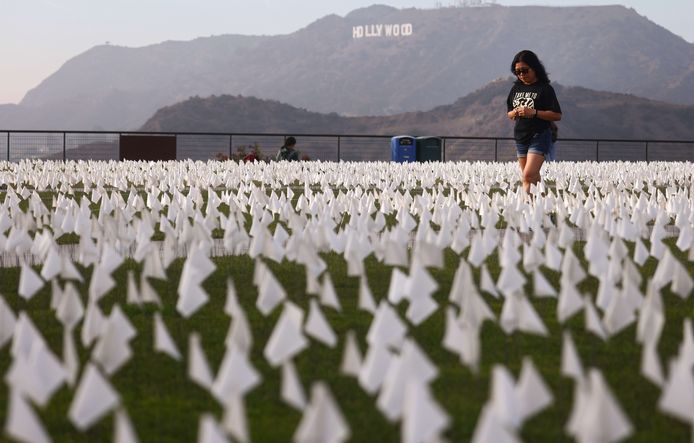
(403, 149)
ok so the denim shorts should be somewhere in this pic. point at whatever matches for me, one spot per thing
(539, 144)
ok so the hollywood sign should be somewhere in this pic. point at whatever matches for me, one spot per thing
(401, 30)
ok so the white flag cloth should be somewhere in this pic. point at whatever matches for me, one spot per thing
(386, 327)
(677, 396)
(191, 295)
(490, 428)
(292, 392)
(518, 314)
(592, 319)
(68, 271)
(22, 422)
(56, 294)
(209, 431)
(510, 281)
(112, 349)
(234, 420)
(132, 292)
(328, 296)
(7, 322)
(599, 418)
(147, 293)
(93, 324)
(236, 376)
(504, 397)
(682, 282)
(420, 286)
(110, 259)
(123, 430)
(52, 265)
(471, 347)
(532, 392)
(570, 301)
(542, 288)
(94, 398)
(570, 361)
(100, 284)
(24, 337)
(270, 293)
(70, 309)
(154, 266)
(395, 254)
(163, 342)
(287, 338)
(29, 282)
(487, 283)
(322, 420)
(317, 325)
(424, 420)
(351, 356)
(366, 299)
(71, 361)
(640, 253)
(399, 284)
(231, 306)
(462, 283)
(240, 331)
(198, 368)
(571, 268)
(375, 367)
(412, 365)
(650, 364)
(552, 256)
(620, 313)
(37, 376)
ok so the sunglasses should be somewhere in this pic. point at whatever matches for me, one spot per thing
(521, 71)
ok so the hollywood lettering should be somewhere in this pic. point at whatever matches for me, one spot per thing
(382, 30)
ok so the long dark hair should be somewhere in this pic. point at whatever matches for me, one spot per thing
(530, 58)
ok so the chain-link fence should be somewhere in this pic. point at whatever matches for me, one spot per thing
(78, 145)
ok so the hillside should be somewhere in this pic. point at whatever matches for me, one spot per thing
(449, 53)
(587, 114)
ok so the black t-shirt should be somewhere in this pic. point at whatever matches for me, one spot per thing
(538, 96)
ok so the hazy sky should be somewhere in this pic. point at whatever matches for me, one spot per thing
(38, 36)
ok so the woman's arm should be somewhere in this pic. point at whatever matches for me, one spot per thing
(548, 115)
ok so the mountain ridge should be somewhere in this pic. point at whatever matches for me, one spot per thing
(586, 114)
(322, 67)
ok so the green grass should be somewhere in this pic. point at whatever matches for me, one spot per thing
(165, 406)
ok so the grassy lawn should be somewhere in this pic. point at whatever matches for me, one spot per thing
(165, 406)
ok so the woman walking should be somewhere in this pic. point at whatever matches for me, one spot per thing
(533, 104)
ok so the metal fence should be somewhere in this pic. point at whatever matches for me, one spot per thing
(102, 145)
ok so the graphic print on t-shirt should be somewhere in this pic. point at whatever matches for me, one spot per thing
(524, 100)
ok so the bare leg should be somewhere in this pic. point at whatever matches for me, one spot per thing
(522, 162)
(531, 170)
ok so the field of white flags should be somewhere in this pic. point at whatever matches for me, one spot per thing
(334, 302)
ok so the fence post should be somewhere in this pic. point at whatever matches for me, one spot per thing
(496, 149)
(443, 150)
(8, 145)
(597, 150)
(231, 143)
(338, 148)
(646, 152)
(64, 153)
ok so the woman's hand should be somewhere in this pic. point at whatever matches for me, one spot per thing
(524, 112)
